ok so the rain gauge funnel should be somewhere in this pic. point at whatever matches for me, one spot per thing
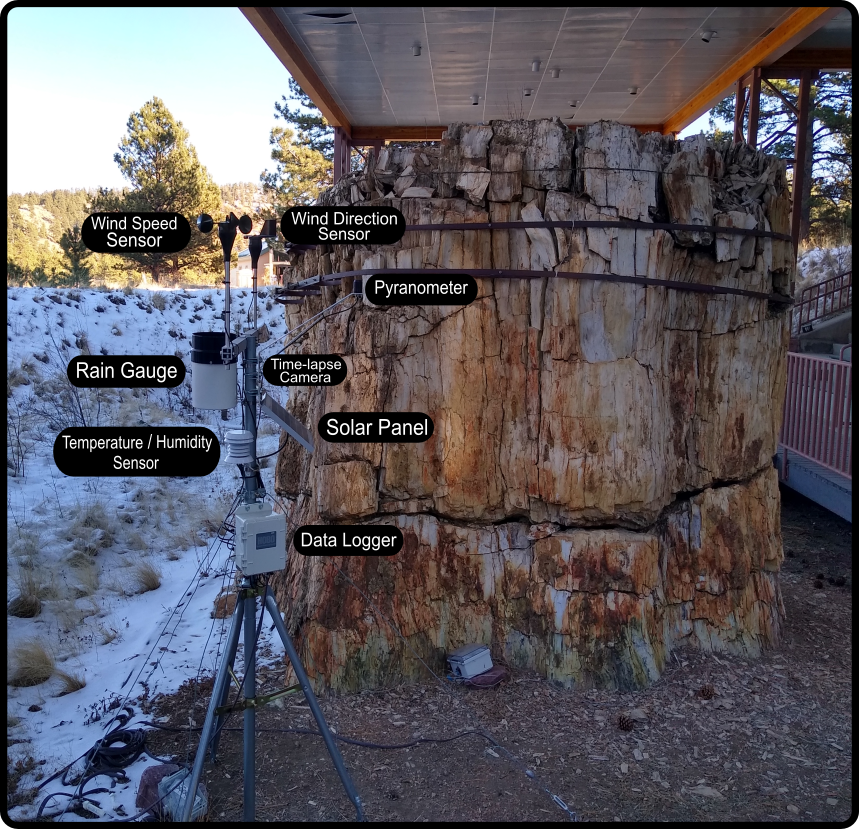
(213, 384)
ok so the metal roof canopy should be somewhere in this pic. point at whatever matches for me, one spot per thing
(360, 68)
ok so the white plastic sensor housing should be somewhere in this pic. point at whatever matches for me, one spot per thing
(469, 661)
(260, 539)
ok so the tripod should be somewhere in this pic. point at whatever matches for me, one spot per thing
(245, 612)
(251, 586)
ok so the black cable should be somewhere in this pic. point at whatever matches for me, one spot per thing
(220, 541)
(350, 740)
(240, 688)
(85, 776)
(322, 315)
(270, 454)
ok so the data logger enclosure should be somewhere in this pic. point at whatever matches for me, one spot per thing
(260, 539)
(469, 661)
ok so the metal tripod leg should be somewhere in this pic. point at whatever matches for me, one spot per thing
(228, 666)
(219, 690)
(249, 692)
(300, 673)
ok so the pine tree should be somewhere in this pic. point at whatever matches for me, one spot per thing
(77, 253)
(828, 199)
(304, 155)
(161, 165)
(314, 131)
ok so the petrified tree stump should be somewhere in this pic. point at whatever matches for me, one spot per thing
(599, 486)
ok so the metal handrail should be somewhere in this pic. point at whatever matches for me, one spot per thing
(818, 411)
(823, 300)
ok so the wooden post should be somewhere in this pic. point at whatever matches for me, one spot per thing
(754, 105)
(739, 110)
(801, 148)
(342, 153)
(338, 153)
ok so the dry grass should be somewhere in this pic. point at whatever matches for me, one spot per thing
(93, 516)
(213, 516)
(135, 541)
(11, 719)
(69, 616)
(35, 584)
(79, 558)
(146, 576)
(159, 300)
(32, 663)
(224, 606)
(86, 550)
(70, 682)
(27, 544)
(107, 634)
(27, 603)
(24, 606)
(89, 579)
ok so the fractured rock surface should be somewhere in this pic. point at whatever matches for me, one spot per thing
(599, 487)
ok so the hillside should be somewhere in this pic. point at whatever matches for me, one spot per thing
(113, 580)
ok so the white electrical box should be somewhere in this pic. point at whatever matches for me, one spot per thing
(260, 539)
(469, 661)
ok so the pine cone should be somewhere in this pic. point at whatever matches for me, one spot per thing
(625, 723)
(707, 692)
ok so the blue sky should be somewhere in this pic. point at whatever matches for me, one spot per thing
(76, 74)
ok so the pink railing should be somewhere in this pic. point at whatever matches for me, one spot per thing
(822, 300)
(818, 411)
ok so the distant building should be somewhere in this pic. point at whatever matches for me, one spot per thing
(242, 275)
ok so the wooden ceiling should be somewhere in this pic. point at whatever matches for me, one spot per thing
(359, 64)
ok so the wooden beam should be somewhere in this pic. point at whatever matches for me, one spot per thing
(754, 106)
(824, 60)
(739, 110)
(648, 127)
(289, 53)
(799, 156)
(366, 135)
(785, 36)
(781, 95)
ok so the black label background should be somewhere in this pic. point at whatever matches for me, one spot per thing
(425, 279)
(172, 240)
(309, 234)
(120, 382)
(370, 530)
(273, 375)
(81, 463)
(374, 418)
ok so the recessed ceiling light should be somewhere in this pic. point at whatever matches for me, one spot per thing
(535, 65)
(708, 36)
(527, 92)
(416, 50)
(633, 90)
(574, 103)
(475, 100)
(556, 73)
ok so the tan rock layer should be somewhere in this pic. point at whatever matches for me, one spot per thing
(592, 406)
(600, 606)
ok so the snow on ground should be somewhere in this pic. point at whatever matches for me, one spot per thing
(819, 264)
(77, 542)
